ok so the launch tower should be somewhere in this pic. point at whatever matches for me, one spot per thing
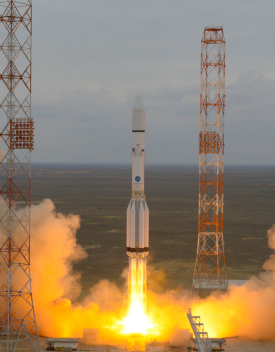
(210, 267)
(17, 319)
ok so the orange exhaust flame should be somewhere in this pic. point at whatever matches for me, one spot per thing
(137, 325)
(137, 322)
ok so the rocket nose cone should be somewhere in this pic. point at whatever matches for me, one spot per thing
(138, 104)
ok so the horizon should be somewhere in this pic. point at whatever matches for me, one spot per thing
(147, 164)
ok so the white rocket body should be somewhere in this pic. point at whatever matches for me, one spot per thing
(138, 212)
(137, 239)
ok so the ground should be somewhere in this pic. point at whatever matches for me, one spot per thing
(232, 345)
(100, 195)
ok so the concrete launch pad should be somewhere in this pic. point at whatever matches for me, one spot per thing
(241, 345)
(232, 345)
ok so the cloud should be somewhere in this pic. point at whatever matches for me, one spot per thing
(85, 79)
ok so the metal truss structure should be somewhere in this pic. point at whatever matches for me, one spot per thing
(210, 267)
(202, 341)
(17, 319)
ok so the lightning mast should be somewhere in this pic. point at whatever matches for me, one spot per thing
(17, 319)
(210, 267)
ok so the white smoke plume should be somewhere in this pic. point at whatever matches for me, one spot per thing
(247, 311)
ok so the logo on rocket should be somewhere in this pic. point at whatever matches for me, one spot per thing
(137, 178)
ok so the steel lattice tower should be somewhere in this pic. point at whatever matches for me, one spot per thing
(17, 319)
(210, 267)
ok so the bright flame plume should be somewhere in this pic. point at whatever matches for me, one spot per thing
(137, 325)
(137, 322)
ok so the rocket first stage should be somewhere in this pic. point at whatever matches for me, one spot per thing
(137, 213)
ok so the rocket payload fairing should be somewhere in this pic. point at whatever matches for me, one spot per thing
(137, 240)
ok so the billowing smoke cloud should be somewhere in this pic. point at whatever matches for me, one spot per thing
(54, 249)
(247, 311)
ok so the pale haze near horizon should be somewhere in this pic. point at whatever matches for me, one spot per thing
(90, 58)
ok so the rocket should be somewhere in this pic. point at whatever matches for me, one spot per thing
(138, 212)
(137, 239)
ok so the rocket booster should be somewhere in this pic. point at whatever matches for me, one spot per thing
(138, 212)
(137, 239)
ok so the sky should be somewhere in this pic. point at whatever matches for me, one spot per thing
(91, 57)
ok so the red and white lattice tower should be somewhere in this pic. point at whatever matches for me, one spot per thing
(17, 319)
(210, 267)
